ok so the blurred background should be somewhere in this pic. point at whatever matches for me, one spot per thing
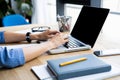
(44, 11)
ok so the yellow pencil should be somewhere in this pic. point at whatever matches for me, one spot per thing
(72, 61)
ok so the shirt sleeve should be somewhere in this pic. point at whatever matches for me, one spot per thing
(2, 39)
(10, 58)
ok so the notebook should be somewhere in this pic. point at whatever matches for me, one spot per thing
(43, 73)
(85, 30)
(92, 65)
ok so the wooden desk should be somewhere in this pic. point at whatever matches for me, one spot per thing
(24, 72)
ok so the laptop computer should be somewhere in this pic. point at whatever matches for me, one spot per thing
(85, 31)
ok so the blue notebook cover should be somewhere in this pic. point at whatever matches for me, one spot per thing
(90, 66)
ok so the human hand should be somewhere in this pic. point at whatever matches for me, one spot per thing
(58, 40)
(45, 35)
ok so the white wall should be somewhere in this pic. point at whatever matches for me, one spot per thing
(44, 11)
(114, 5)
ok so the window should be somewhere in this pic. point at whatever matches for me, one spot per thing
(113, 5)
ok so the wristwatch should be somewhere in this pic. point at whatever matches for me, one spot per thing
(28, 37)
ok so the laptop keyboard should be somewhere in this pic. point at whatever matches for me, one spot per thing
(73, 43)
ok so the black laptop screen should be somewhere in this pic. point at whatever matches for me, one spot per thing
(89, 24)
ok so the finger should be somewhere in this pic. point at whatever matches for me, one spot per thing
(66, 40)
(53, 31)
(66, 36)
(50, 36)
(57, 34)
